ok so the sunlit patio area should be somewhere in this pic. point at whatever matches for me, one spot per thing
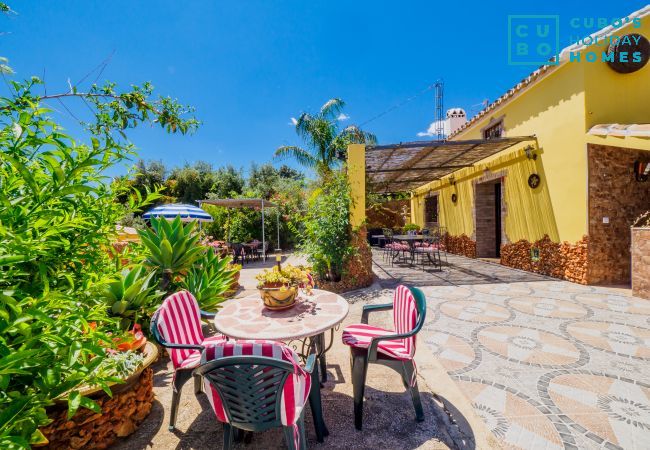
(543, 363)
(293, 246)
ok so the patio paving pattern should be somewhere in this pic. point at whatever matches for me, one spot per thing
(546, 364)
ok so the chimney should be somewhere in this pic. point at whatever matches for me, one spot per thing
(456, 118)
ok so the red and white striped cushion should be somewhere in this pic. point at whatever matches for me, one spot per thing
(179, 322)
(360, 335)
(295, 391)
(405, 315)
(404, 320)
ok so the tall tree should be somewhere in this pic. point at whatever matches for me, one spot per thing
(289, 173)
(262, 180)
(228, 182)
(191, 182)
(150, 175)
(326, 143)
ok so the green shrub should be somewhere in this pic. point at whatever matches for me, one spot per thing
(172, 248)
(132, 297)
(326, 240)
(57, 220)
(209, 279)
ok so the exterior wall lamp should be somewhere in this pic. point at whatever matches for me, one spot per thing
(530, 152)
(452, 181)
(641, 170)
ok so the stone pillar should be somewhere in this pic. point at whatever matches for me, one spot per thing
(357, 180)
(641, 262)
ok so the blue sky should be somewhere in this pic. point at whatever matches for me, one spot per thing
(249, 66)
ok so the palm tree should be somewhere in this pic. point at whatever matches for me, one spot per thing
(326, 143)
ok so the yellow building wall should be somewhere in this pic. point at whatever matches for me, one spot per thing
(617, 98)
(553, 110)
(558, 109)
(357, 180)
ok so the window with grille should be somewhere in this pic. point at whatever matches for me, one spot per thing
(494, 131)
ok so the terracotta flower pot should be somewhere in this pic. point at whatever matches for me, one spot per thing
(278, 297)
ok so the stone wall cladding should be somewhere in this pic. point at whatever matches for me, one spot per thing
(613, 193)
(565, 261)
(120, 417)
(357, 272)
(460, 245)
(641, 262)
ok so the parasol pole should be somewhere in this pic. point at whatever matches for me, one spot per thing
(263, 235)
(277, 224)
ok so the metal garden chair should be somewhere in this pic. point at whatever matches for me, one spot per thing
(428, 252)
(392, 348)
(257, 385)
(176, 325)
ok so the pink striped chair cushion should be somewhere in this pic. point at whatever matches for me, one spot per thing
(360, 335)
(295, 391)
(179, 322)
(405, 315)
(404, 320)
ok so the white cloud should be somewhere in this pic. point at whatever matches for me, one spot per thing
(292, 121)
(342, 117)
(433, 130)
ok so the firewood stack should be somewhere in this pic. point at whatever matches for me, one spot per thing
(575, 256)
(460, 245)
(565, 261)
(120, 417)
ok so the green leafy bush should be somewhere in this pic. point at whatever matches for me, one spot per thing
(326, 240)
(172, 248)
(132, 296)
(57, 220)
(209, 279)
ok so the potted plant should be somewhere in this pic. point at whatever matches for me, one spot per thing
(412, 227)
(279, 286)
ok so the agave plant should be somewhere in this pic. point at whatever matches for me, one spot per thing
(172, 246)
(132, 296)
(209, 279)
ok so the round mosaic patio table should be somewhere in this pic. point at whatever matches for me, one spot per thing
(307, 322)
(247, 318)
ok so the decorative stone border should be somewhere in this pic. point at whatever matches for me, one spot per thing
(564, 328)
(583, 357)
(551, 413)
(543, 389)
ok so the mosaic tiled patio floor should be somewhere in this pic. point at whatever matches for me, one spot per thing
(546, 364)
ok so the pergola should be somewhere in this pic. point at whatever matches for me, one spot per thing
(255, 203)
(406, 166)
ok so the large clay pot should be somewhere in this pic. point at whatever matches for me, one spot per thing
(278, 297)
(121, 414)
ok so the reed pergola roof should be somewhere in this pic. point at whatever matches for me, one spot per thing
(239, 203)
(407, 166)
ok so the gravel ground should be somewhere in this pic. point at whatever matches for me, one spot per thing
(389, 418)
